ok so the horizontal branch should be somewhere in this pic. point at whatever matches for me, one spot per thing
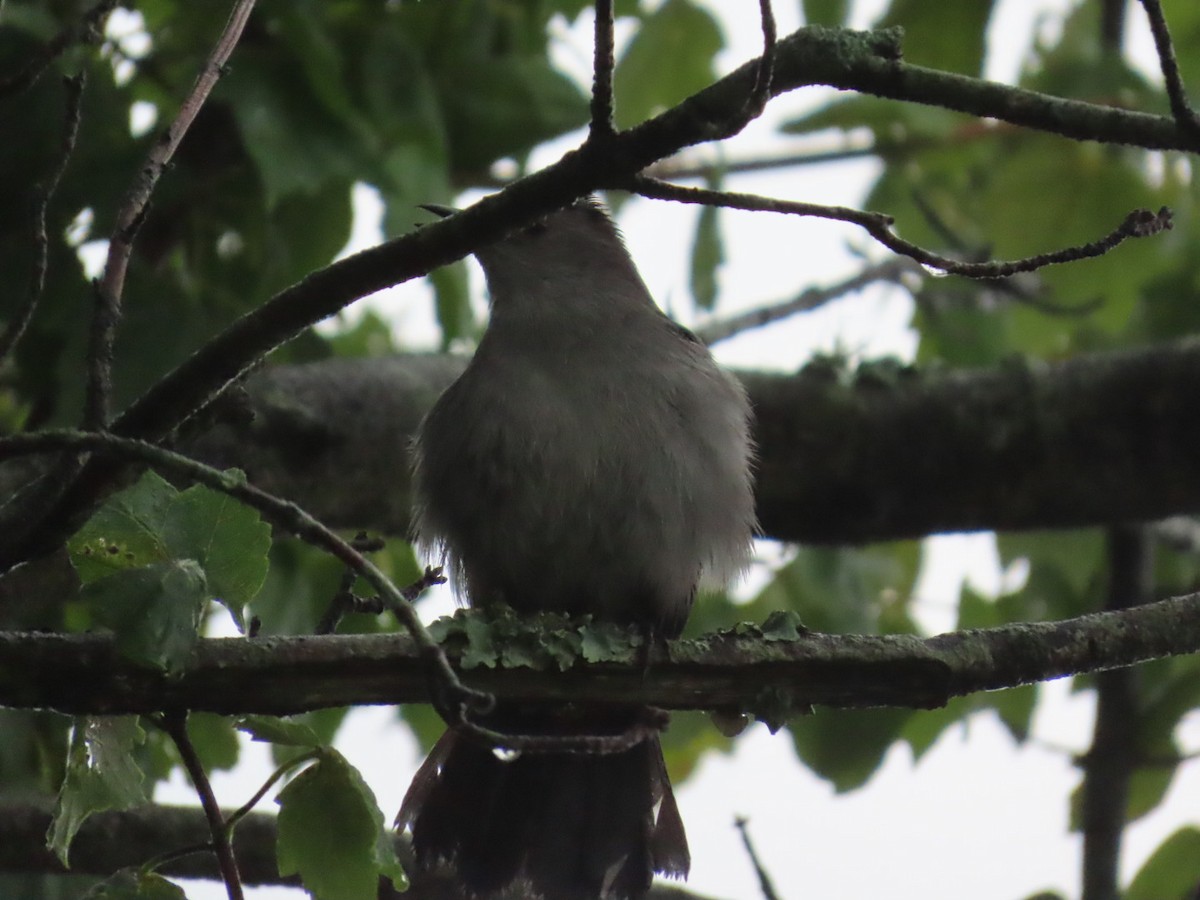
(880, 453)
(771, 675)
(110, 841)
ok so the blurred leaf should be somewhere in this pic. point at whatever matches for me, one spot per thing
(1065, 568)
(1170, 873)
(949, 36)
(100, 776)
(846, 746)
(215, 740)
(690, 736)
(708, 255)
(332, 834)
(832, 13)
(370, 337)
(670, 57)
(841, 591)
(453, 302)
(504, 106)
(297, 145)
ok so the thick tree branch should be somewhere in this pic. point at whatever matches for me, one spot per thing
(879, 453)
(867, 62)
(772, 675)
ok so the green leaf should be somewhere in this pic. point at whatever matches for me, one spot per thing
(228, 540)
(453, 302)
(843, 591)
(151, 534)
(1170, 872)
(153, 611)
(669, 58)
(133, 884)
(126, 532)
(296, 143)
(369, 337)
(846, 746)
(949, 36)
(502, 106)
(215, 740)
(831, 13)
(708, 255)
(274, 730)
(332, 834)
(101, 774)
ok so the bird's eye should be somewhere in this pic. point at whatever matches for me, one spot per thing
(537, 226)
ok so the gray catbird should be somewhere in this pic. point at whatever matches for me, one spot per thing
(592, 459)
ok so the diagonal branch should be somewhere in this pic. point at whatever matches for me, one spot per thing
(111, 284)
(891, 270)
(1184, 114)
(45, 193)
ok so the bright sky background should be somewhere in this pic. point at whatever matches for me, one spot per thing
(980, 816)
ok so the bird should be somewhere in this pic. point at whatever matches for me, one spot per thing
(591, 460)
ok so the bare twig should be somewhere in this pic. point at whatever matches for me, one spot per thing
(685, 167)
(1139, 223)
(1181, 109)
(344, 599)
(602, 73)
(286, 515)
(45, 193)
(812, 298)
(175, 725)
(88, 30)
(1112, 759)
(131, 214)
(245, 809)
(764, 878)
(764, 73)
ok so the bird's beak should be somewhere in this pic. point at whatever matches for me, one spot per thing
(438, 210)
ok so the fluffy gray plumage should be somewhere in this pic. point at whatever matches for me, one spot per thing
(592, 459)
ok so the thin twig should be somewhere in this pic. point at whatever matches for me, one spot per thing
(1139, 223)
(166, 858)
(110, 286)
(812, 298)
(88, 30)
(45, 193)
(175, 725)
(685, 167)
(1181, 109)
(604, 62)
(344, 599)
(286, 515)
(764, 72)
(764, 879)
(244, 810)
